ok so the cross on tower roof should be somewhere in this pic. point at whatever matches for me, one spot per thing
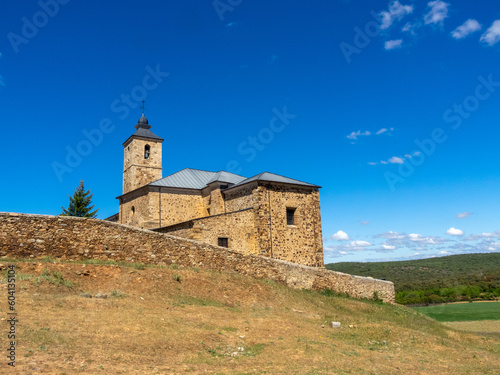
(143, 107)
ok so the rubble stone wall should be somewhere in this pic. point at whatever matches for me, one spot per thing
(69, 238)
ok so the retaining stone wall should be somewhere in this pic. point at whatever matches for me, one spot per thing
(69, 238)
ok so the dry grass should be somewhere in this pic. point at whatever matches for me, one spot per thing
(171, 321)
(478, 326)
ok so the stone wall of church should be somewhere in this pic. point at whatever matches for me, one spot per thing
(72, 239)
(135, 210)
(301, 242)
(240, 198)
(178, 207)
(237, 227)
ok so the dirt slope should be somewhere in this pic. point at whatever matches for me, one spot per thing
(175, 321)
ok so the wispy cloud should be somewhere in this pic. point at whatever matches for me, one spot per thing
(437, 13)
(395, 159)
(455, 232)
(409, 240)
(470, 26)
(383, 130)
(359, 133)
(396, 11)
(336, 251)
(463, 215)
(365, 222)
(411, 27)
(484, 235)
(393, 44)
(360, 243)
(492, 35)
(354, 135)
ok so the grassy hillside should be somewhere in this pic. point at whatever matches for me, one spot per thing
(427, 273)
(444, 279)
(179, 320)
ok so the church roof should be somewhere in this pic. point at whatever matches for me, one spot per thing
(223, 176)
(197, 179)
(272, 177)
(143, 131)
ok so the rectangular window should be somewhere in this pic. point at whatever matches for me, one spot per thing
(223, 242)
(290, 216)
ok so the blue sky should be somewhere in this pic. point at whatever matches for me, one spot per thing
(392, 107)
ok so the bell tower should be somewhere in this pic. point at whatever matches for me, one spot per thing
(142, 157)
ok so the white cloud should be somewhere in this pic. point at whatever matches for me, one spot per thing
(388, 247)
(463, 215)
(340, 236)
(360, 243)
(396, 11)
(492, 35)
(393, 44)
(437, 13)
(395, 160)
(488, 236)
(391, 235)
(425, 240)
(355, 135)
(346, 248)
(455, 232)
(470, 26)
(383, 130)
(365, 222)
(411, 27)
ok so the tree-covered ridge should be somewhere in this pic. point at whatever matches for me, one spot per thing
(435, 280)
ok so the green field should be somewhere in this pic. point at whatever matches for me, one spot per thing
(462, 311)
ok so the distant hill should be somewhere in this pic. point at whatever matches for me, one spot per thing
(451, 278)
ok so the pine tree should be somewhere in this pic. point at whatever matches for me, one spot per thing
(80, 204)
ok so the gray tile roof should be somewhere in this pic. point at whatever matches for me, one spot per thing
(143, 133)
(146, 133)
(197, 179)
(223, 176)
(272, 177)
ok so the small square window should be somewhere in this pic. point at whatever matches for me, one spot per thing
(290, 216)
(223, 242)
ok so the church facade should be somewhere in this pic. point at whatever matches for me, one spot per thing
(267, 214)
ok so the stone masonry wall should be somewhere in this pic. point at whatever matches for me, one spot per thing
(238, 227)
(138, 171)
(69, 238)
(175, 208)
(299, 243)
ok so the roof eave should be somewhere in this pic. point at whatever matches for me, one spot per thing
(129, 139)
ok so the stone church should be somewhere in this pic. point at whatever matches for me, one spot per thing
(267, 214)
